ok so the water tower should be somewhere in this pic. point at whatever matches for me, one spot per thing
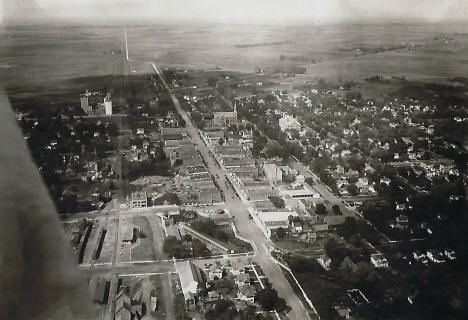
(108, 104)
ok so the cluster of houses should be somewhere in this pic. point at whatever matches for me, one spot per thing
(431, 256)
(233, 280)
(343, 126)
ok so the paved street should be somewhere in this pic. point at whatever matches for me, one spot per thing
(238, 208)
(246, 227)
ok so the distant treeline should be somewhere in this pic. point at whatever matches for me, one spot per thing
(382, 79)
(304, 59)
(290, 69)
(458, 79)
(262, 44)
(365, 50)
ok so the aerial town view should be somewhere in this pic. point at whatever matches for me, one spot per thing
(240, 171)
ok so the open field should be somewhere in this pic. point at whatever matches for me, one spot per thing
(47, 60)
(31, 55)
(339, 51)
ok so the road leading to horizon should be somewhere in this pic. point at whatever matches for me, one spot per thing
(247, 228)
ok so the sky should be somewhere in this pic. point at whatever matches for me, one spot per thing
(276, 12)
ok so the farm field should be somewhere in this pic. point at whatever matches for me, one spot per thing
(49, 60)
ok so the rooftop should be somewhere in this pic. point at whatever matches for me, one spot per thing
(276, 216)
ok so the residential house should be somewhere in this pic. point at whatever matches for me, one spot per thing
(324, 261)
(435, 256)
(215, 272)
(378, 260)
(242, 280)
(343, 312)
(247, 293)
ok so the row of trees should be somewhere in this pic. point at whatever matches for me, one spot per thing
(132, 170)
(208, 227)
(188, 247)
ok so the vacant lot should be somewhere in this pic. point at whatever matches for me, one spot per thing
(145, 247)
(322, 292)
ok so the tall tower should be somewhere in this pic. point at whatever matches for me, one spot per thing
(84, 101)
(108, 104)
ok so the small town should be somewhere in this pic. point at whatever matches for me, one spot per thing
(328, 194)
(193, 191)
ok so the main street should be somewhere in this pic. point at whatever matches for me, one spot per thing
(247, 228)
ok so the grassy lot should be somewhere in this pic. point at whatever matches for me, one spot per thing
(92, 282)
(125, 251)
(322, 292)
(293, 245)
(299, 294)
(156, 283)
(234, 243)
(146, 249)
(222, 234)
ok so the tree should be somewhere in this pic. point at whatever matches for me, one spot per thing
(221, 141)
(199, 249)
(221, 235)
(336, 209)
(281, 232)
(321, 209)
(356, 95)
(348, 228)
(212, 81)
(175, 248)
(269, 300)
(223, 309)
(352, 189)
(277, 201)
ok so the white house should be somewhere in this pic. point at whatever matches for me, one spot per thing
(379, 261)
(324, 261)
